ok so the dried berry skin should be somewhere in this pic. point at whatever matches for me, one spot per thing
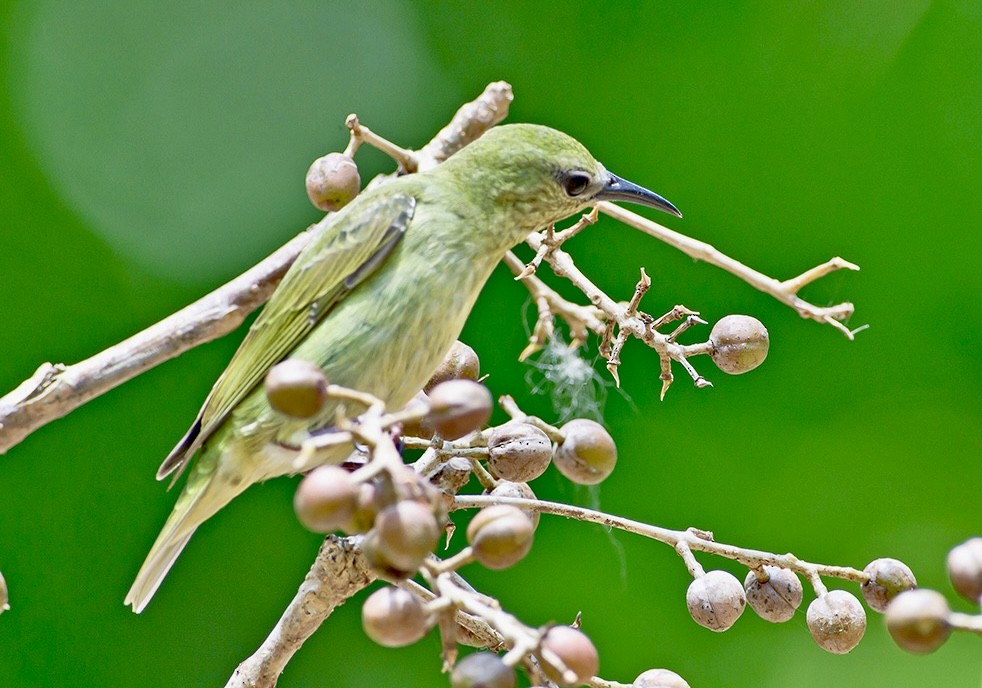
(407, 532)
(458, 407)
(518, 452)
(482, 670)
(965, 569)
(575, 650)
(332, 182)
(296, 388)
(587, 454)
(918, 620)
(326, 499)
(460, 363)
(740, 344)
(837, 621)
(659, 678)
(777, 599)
(501, 535)
(888, 578)
(393, 617)
(715, 600)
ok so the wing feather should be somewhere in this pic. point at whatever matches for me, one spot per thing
(350, 246)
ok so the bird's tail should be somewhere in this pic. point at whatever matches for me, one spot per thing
(208, 489)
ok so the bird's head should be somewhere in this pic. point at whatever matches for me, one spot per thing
(535, 176)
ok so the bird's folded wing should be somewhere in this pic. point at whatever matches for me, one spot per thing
(348, 249)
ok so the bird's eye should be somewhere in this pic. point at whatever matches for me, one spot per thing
(575, 183)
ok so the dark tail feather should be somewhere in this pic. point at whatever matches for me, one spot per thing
(178, 458)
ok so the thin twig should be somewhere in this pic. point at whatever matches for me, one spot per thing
(692, 539)
(55, 389)
(786, 292)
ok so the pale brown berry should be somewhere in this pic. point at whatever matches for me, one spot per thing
(326, 499)
(418, 427)
(777, 598)
(460, 363)
(332, 181)
(587, 454)
(500, 535)
(407, 532)
(739, 344)
(575, 650)
(458, 407)
(715, 600)
(518, 452)
(507, 488)
(377, 560)
(887, 579)
(918, 620)
(659, 678)
(482, 670)
(837, 621)
(965, 569)
(393, 617)
(296, 388)
(371, 499)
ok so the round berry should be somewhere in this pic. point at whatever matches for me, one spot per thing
(394, 617)
(296, 388)
(482, 670)
(715, 600)
(332, 181)
(501, 535)
(575, 650)
(918, 620)
(458, 407)
(777, 598)
(837, 621)
(326, 499)
(887, 579)
(518, 452)
(739, 344)
(587, 454)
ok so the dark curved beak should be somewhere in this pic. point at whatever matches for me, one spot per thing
(617, 189)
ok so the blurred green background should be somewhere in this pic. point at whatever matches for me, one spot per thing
(150, 152)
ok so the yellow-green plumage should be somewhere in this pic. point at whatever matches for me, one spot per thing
(376, 299)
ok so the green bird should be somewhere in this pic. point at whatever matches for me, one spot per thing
(376, 299)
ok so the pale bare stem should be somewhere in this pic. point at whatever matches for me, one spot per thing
(786, 292)
(816, 582)
(696, 540)
(639, 291)
(695, 568)
(579, 319)
(468, 124)
(666, 377)
(697, 379)
(55, 390)
(405, 158)
(513, 632)
(338, 572)
(614, 355)
(597, 682)
(965, 622)
(640, 325)
(677, 313)
(686, 324)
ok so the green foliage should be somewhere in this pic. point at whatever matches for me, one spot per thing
(151, 153)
